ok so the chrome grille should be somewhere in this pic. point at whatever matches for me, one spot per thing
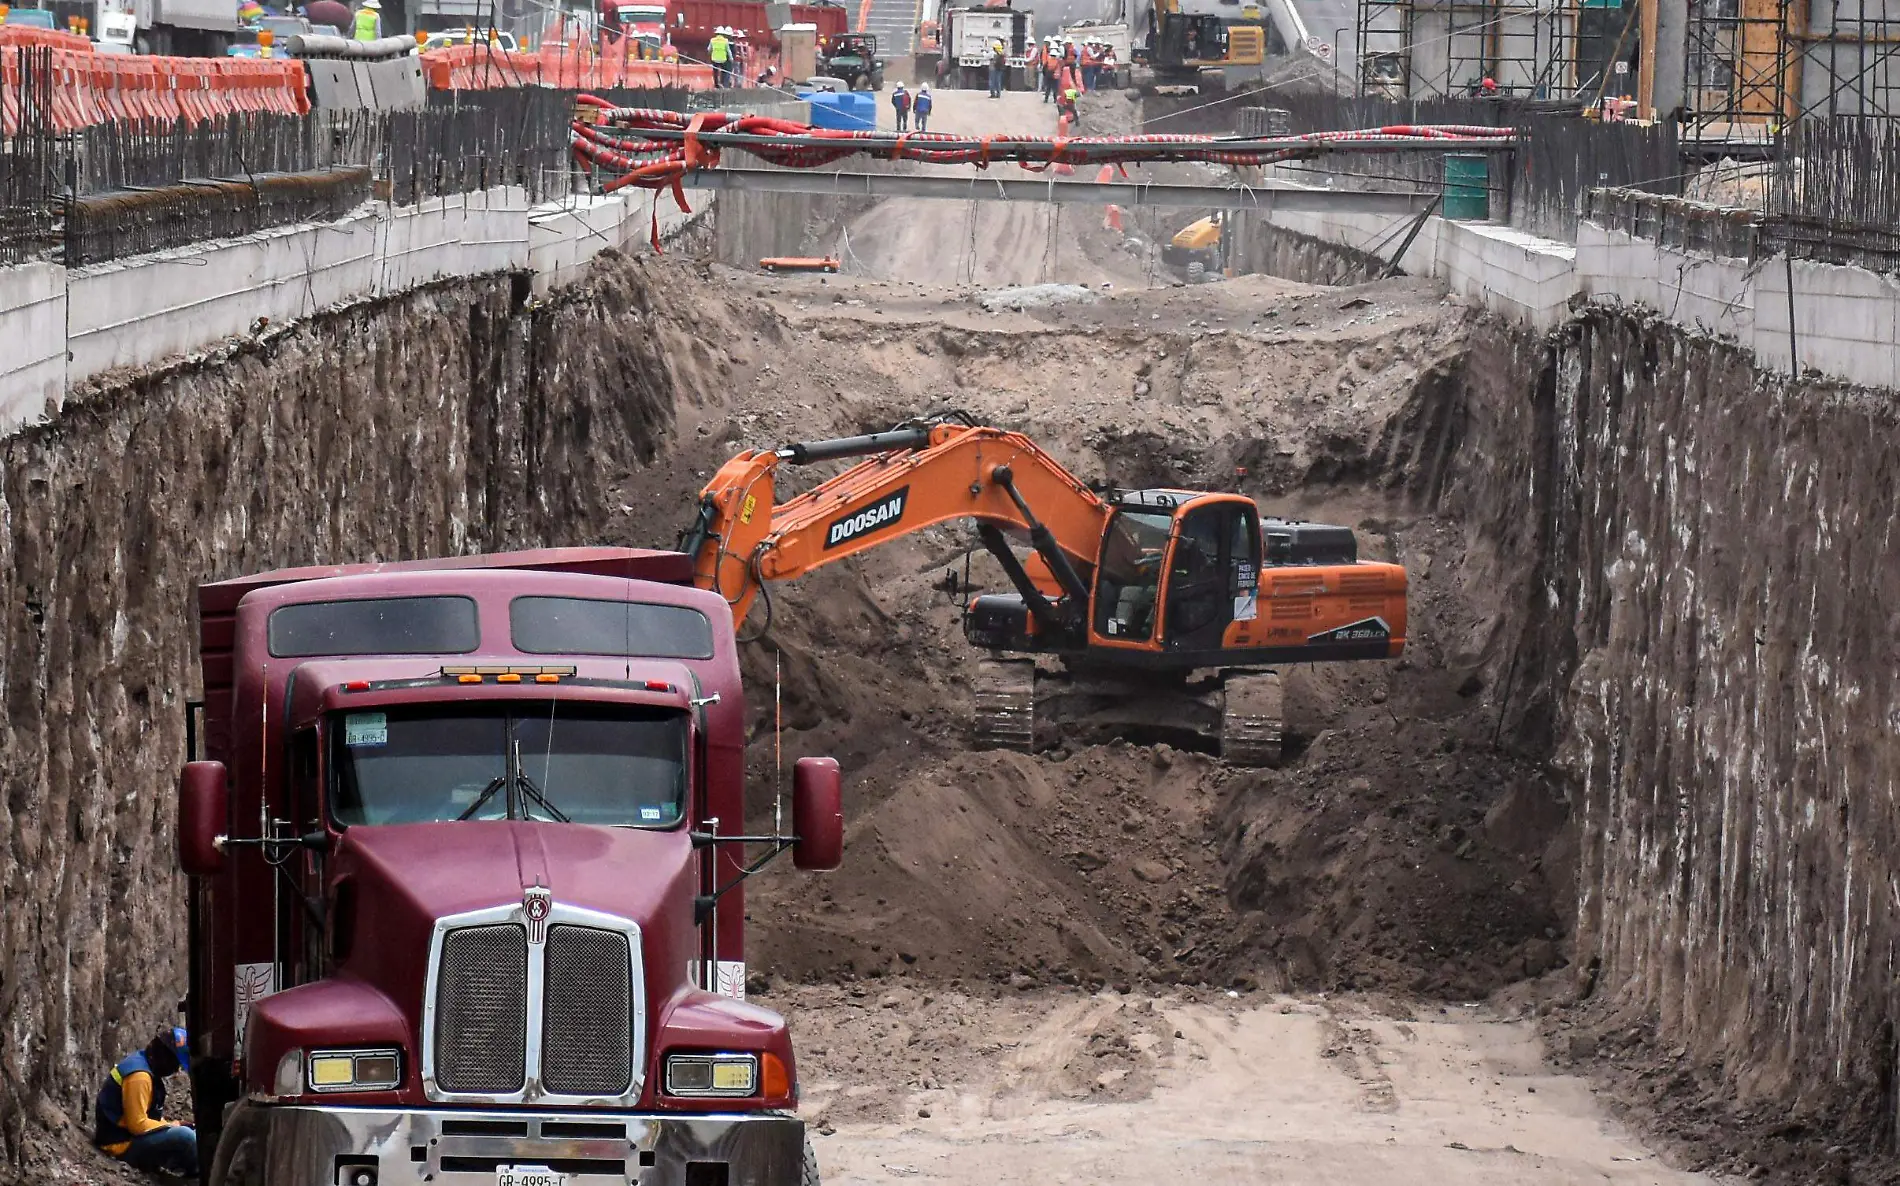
(587, 1014)
(481, 1011)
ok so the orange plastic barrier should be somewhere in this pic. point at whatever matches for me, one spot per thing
(90, 88)
(9, 94)
(47, 38)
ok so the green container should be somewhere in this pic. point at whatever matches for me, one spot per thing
(1467, 187)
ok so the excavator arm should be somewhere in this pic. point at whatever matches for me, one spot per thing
(912, 477)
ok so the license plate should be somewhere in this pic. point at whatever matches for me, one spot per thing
(528, 1175)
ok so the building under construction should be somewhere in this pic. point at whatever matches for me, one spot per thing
(1726, 66)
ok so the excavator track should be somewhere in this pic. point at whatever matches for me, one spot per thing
(1251, 720)
(1006, 705)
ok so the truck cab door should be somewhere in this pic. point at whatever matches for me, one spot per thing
(1213, 571)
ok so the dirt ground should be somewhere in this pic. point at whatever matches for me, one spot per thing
(941, 1084)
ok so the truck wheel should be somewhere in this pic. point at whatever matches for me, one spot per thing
(1196, 271)
(810, 1177)
(239, 1160)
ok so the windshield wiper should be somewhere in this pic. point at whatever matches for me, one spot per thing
(481, 800)
(535, 793)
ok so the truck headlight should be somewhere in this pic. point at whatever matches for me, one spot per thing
(712, 1074)
(354, 1070)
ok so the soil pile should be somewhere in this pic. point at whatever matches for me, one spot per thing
(1403, 845)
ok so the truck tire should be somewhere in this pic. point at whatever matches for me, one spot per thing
(239, 1158)
(1196, 271)
(810, 1177)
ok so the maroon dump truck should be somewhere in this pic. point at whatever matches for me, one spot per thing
(466, 840)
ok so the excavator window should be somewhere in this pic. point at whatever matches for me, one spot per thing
(1132, 554)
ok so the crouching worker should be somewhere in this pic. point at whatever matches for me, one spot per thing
(127, 1117)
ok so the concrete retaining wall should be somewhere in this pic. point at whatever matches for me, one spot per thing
(33, 326)
(76, 324)
(1846, 320)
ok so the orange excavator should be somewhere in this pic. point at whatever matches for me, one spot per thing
(1167, 609)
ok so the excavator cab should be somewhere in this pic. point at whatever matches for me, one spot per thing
(1177, 569)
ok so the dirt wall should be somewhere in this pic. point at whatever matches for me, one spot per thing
(448, 420)
(1706, 587)
(1731, 719)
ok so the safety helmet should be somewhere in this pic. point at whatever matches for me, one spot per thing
(181, 1042)
(373, 5)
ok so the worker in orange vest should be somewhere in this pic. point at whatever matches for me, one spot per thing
(1051, 71)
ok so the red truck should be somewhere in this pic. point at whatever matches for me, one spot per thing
(466, 843)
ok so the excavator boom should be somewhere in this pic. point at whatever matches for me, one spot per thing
(912, 477)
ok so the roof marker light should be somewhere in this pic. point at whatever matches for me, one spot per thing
(547, 677)
(658, 685)
(357, 685)
(510, 678)
(470, 678)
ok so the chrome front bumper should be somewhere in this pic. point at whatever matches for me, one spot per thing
(318, 1146)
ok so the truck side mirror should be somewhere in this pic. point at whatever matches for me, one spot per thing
(817, 813)
(204, 810)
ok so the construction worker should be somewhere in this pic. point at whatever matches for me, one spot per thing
(719, 50)
(1065, 106)
(128, 1115)
(1091, 65)
(920, 107)
(1051, 71)
(369, 21)
(999, 64)
(900, 103)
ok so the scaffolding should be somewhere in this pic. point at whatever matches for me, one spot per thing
(1847, 60)
(1760, 64)
(1414, 49)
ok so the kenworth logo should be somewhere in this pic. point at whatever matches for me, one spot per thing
(882, 513)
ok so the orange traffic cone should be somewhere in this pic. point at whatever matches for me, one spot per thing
(1112, 216)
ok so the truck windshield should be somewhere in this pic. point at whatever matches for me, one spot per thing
(555, 761)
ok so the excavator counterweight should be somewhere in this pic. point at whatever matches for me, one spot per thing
(1167, 609)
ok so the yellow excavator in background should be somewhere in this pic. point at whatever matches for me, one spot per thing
(1196, 249)
(1188, 45)
(1165, 610)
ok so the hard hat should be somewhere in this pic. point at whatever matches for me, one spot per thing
(922, 90)
(181, 1042)
(373, 5)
